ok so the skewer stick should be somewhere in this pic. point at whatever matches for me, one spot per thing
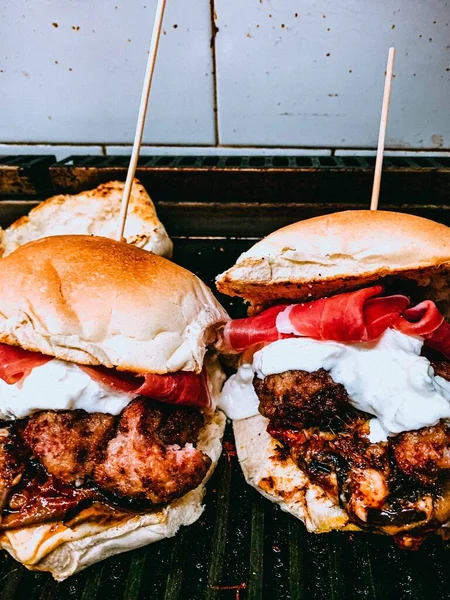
(156, 34)
(382, 133)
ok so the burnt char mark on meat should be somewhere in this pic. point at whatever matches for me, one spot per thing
(139, 466)
(69, 443)
(41, 497)
(353, 471)
(300, 399)
(180, 426)
(172, 424)
(423, 454)
(441, 368)
(12, 461)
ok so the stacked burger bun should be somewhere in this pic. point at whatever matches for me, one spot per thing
(93, 212)
(342, 398)
(109, 378)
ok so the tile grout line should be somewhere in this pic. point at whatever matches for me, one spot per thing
(332, 150)
(214, 32)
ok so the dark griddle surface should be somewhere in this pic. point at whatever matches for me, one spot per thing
(242, 539)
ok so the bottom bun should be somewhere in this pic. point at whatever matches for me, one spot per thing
(280, 480)
(64, 551)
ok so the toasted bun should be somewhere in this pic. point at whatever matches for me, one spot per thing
(280, 480)
(92, 300)
(94, 212)
(64, 551)
(340, 252)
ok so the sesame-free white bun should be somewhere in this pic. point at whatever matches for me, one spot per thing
(339, 252)
(280, 480)
(64, 551)
(95, 301)
(94, 212)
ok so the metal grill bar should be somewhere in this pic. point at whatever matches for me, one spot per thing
(242, 162)
(263, 162)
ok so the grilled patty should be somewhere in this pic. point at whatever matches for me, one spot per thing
(68, 443)
(300, 399)
(393, 486)
(140, 466)
(12, 464)
(53, 462)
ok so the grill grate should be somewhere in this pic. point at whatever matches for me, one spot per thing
(263, 162)
(25, 175)
(316, 180)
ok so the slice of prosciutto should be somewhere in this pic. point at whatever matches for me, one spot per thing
(359, 316)
(241, 334)
(350, 317)
(188, 389)
(16, 363)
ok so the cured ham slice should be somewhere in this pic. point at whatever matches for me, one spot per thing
(16, 363)
(244, 333)
(423, 319)
(359, 316)
(350, 317)
(188, 389)
(440, 339)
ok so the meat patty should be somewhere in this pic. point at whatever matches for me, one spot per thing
(441, 368)
(397, 487)
(69, 443)
(172, 424)
(12, 463)
(138, 465)
(300, 399)
(424, 453)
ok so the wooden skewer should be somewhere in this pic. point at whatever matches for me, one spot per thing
(382, 133)
(156, 34)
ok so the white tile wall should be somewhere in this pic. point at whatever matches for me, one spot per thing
(310, 73)
(216, 151)
(60, 152)
(73, 71)
(411, 153)
(291, 74)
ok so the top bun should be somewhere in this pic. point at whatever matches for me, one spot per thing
(95, 301)
(339, 252)
(94, 212)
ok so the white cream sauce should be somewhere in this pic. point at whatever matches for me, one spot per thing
(59, 385)
(238, 399)
(387, 379)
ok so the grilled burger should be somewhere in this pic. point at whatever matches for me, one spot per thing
(108, 379)
(342, 398)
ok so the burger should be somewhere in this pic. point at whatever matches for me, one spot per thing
(108, 386)
(341, 402)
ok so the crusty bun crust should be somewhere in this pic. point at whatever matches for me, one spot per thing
(92, 300)
(280, 480)
(94, 212)
(63, 551)
(339, 252)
